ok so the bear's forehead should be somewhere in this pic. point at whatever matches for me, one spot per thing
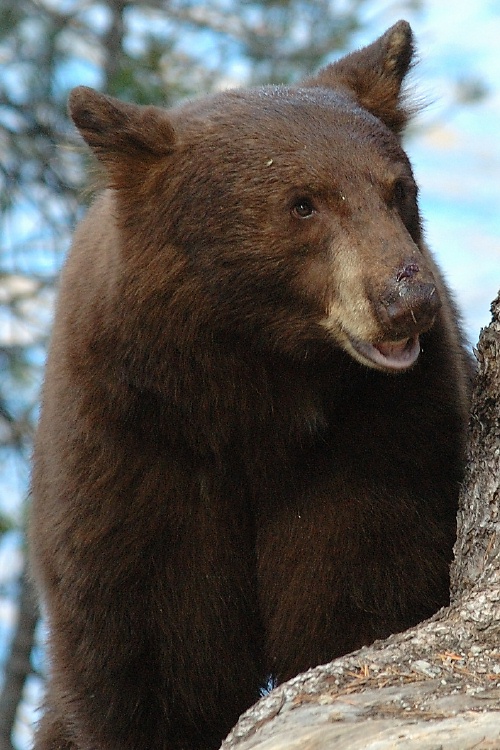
(299, 127)
(272, 109)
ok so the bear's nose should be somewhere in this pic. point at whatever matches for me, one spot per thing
(408, 271)
(409, 306)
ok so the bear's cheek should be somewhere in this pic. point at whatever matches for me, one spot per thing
(332, 283)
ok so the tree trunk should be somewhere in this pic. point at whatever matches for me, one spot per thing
(18, 665)
(436, 686)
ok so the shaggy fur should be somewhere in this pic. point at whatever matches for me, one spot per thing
(244, 466)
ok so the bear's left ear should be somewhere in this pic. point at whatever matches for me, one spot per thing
(124, 137)
(374, 75)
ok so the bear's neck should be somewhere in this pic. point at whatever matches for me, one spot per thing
(215, 398)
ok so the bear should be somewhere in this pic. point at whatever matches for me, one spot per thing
(253, 420)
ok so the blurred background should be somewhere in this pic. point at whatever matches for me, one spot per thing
(159, 52)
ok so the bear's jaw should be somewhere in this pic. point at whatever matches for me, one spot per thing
(387, 355)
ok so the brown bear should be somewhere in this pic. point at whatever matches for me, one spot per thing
(252, 432)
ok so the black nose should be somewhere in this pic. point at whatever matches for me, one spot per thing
(409, 306)
(408, 271)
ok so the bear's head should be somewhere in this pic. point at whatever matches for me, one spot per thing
(284, 216)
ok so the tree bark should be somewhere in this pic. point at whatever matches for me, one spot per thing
(436, 686)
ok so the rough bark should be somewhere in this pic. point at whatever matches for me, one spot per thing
(436, 686)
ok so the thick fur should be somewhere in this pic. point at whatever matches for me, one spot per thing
(226, 487)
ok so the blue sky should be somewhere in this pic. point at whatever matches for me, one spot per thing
(456, 157)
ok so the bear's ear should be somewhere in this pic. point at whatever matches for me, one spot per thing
(119, 133)
(374, 75)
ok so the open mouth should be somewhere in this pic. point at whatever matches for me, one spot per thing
(388, 355)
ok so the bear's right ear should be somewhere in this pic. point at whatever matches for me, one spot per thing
(374, 76)
(119, 133)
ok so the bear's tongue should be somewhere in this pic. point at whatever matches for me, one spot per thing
(390, 355)
(399, 354)
(393, 349)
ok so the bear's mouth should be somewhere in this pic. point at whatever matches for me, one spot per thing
(388, 355)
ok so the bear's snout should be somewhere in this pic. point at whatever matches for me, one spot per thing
(409, 305)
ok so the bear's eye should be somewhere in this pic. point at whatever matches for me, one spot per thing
(303, 208)
(403, 199)
(399, 193)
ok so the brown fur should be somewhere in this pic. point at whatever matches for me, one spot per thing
(226, 486)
